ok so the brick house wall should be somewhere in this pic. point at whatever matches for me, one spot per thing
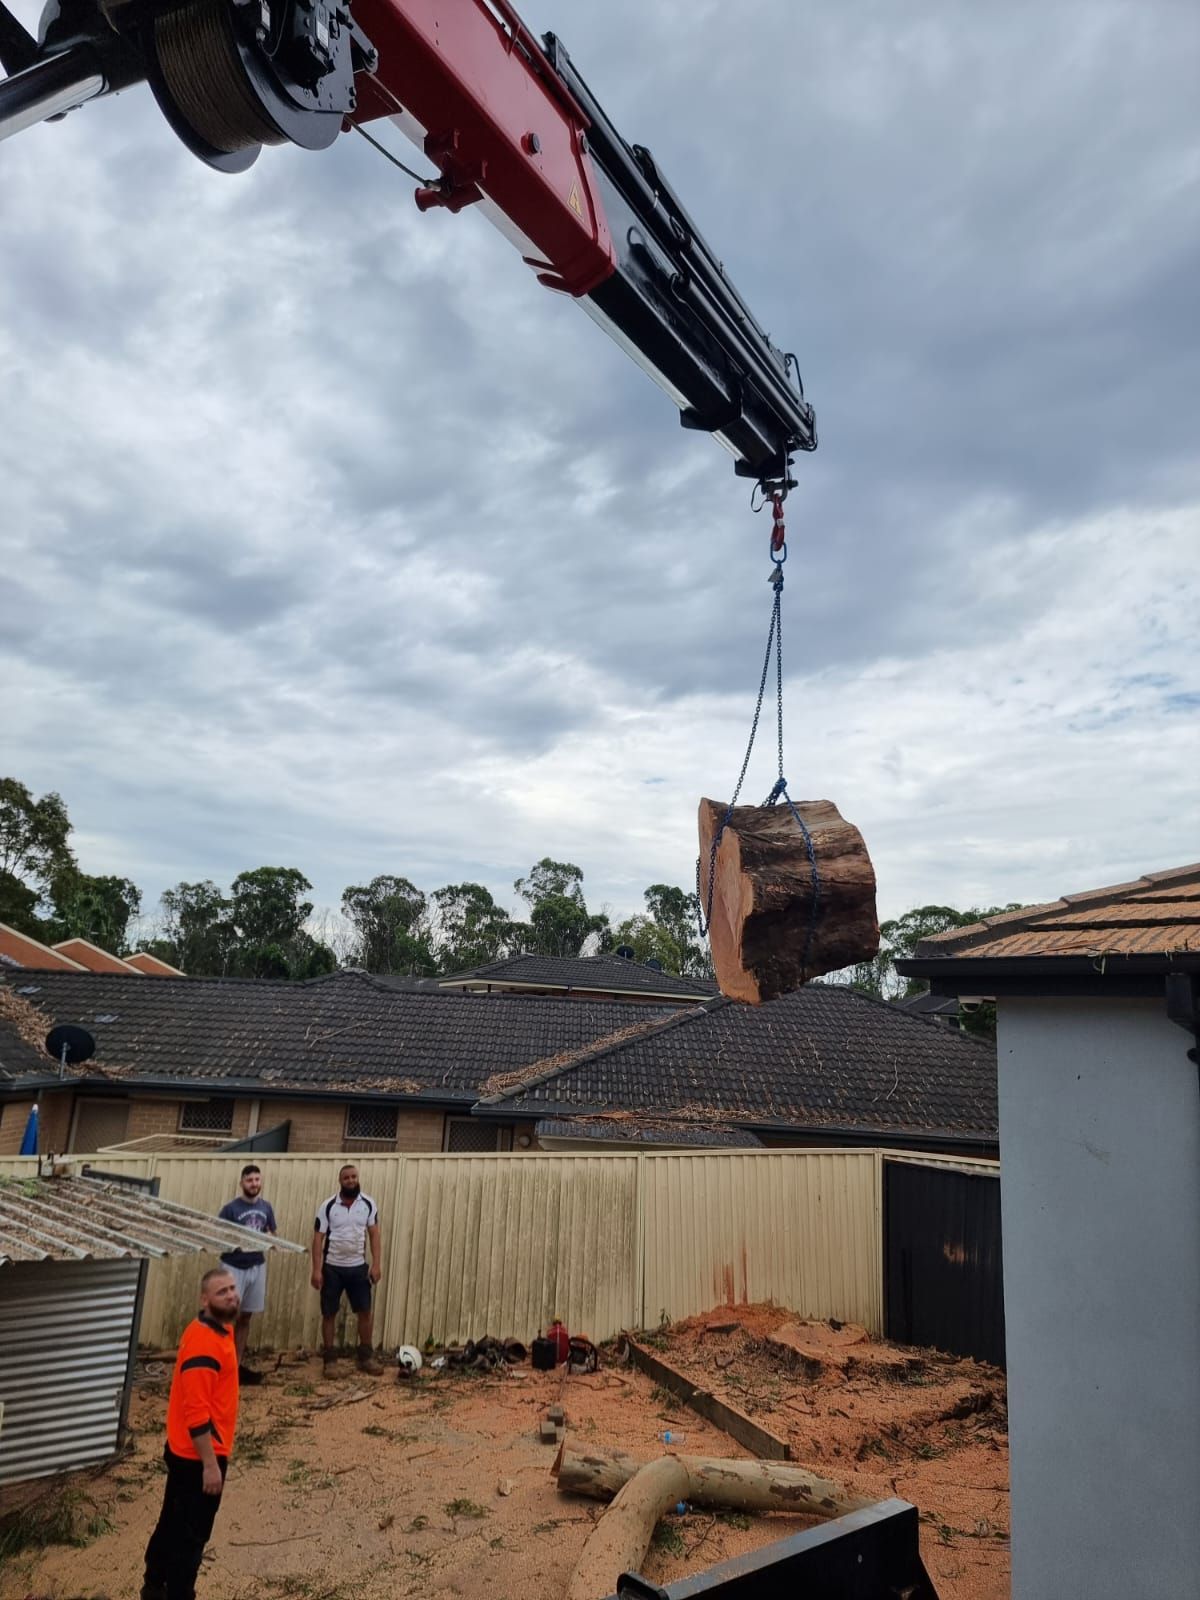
(320, 1125)
(54, 1120)
(13, 1116)
(151, 1115)
(317, 1126)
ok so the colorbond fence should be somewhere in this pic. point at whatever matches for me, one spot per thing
(502, 1244)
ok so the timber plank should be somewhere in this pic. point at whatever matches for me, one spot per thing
(765, 1444)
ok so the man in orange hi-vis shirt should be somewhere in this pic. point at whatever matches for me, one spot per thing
(201, 1418)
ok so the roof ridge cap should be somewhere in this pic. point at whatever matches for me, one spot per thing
(596, 1051)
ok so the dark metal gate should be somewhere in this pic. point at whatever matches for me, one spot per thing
(943, 1279)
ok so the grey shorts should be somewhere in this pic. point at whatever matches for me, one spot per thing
(252, 1286)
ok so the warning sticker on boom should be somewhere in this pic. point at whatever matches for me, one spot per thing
(574, 201)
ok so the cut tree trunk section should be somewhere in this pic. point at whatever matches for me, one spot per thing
(619, 1541)
(713, 1481)
(643, 1494)
(769, 931)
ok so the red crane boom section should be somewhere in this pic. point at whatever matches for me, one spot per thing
(497, 120)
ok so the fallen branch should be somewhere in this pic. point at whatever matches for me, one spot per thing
(255, 1544)
(713, 1482)
(619, 1541)
(340, 1400)
(643, 1493)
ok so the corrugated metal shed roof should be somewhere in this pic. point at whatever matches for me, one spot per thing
(86, 1219)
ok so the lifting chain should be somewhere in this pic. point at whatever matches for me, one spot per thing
(704, 893)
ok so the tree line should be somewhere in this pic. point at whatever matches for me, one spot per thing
(263, 925)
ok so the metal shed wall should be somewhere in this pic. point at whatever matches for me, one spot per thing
(65, 1329)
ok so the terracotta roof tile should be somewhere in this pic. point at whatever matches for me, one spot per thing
(20, 951)
(92, 957)
(151, 966)
(1158, 914)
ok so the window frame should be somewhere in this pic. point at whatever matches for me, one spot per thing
(213, 1100)
(373, 1106)
(503, 1135)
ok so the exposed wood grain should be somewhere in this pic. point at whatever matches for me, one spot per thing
(763, 902)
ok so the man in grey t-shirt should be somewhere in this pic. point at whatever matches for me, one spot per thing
(249, 1267)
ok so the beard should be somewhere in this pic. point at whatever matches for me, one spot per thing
(351, 1191)
(223, 1313)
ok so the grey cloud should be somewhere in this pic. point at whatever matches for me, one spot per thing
(295, 459)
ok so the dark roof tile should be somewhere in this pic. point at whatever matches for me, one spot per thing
(344, 1033)
(825, 1057)
(611, 973)
(647, 1130)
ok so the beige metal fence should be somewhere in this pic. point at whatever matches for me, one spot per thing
(503, 1243)
(799, 1227)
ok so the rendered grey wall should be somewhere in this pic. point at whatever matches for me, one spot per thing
(1100, 1146)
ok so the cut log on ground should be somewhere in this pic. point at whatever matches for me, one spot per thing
(770, 933)
(619, 1541)
(712, 1481)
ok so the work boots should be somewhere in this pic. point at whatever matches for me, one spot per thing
(369, 1362)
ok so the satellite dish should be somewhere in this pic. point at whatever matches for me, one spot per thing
(70, 1045)
(655, 964)
(626, 952)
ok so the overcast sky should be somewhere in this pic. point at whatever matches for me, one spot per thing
(329, 539)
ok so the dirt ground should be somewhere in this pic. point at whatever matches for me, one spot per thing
(366, 1489)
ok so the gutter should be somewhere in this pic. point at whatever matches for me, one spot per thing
(991, 976)
(224, 1088)
(857, 1136)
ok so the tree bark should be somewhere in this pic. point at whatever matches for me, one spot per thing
(619, 1541)
(712, 1481)
(770, 932)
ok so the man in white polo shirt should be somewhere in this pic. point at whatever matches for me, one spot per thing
(346, 1224)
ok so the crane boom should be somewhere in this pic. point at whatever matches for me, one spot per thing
(510, 126)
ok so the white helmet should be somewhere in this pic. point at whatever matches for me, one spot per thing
(409, 1357)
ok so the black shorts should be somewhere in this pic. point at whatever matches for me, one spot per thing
(353, 1282)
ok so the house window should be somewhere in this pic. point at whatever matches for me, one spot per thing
(469, 1136)
(371, 1122)
(206, 1116)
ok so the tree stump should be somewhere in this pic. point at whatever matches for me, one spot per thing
(768, 931)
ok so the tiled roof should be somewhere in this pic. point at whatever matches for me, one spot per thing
(91, 956)
(928, 1005)
(611, 974)
(1158, 915)
(344, 1033)
(152, 966)
(23, 1029)
(18, 950)
(647, 1130)
(825, 1057)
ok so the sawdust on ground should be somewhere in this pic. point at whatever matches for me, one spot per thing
(882, 1418)
(354, 1488)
